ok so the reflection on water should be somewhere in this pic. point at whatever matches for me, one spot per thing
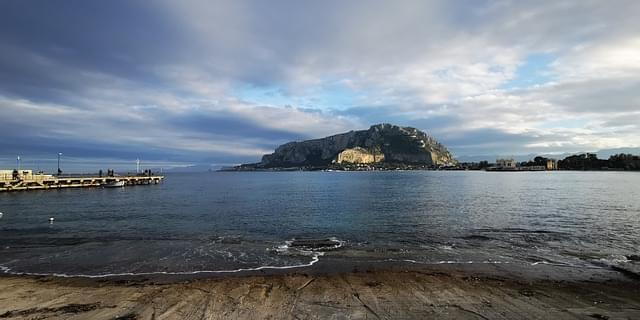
(229, 221)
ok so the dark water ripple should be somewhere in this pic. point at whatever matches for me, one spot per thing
(230, 221)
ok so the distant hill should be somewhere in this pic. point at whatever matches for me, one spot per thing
(606, 153)
(191, 168)
(383, 143)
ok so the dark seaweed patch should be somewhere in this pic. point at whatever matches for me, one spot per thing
(70, 308)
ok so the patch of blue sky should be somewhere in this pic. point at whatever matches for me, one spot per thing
(332, 95)
(263, 95)
(534, 71)
(565, 124)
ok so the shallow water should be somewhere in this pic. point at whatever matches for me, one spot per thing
(228, 221)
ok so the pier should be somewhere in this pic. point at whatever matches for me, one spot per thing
(26, 180)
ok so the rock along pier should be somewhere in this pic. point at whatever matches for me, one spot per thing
(26, 180)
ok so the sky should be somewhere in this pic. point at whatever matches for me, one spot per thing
(222, 82)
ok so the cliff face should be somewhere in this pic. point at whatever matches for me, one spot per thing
(359, 155)
(398, 145)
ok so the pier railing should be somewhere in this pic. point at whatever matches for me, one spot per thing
(43, 176)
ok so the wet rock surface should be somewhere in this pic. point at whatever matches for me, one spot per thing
(383, 294)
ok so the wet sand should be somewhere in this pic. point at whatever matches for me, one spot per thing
(392, 293)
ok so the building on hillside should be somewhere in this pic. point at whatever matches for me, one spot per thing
(552, 164)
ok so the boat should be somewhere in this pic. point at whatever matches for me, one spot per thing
(114, 184)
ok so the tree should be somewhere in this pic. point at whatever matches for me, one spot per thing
(540, 161)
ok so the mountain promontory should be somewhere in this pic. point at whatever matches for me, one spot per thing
(382, 145)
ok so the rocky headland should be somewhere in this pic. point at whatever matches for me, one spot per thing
(383, 146)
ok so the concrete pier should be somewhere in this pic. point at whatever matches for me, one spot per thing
(29, 181)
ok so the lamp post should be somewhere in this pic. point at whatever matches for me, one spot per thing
(18, 163)
(59, 171)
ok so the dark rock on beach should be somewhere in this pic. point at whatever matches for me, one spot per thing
(634, 257)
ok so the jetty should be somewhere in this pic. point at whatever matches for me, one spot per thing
(23, 180)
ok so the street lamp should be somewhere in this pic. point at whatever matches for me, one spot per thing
(18, 163)
(59, 171)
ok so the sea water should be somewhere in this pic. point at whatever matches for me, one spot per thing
(233, 221)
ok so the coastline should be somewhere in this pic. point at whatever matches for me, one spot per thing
(390, 291)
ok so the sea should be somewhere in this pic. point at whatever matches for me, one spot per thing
(228, 222)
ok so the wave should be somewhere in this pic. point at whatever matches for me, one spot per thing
(515, 230)
(7, 270)
(308, 247)
(448, 261)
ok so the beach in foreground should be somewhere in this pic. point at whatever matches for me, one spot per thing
(394, 293)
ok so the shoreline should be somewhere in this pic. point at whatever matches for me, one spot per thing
(388, 291)
(328, 265)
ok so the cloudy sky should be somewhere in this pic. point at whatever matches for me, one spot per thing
(222, 82)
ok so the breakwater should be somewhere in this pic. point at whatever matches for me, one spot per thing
(45, 182)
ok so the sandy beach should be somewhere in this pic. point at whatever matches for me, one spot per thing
(394, 293)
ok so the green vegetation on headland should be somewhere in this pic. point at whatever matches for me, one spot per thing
(590, 161)
(584, 161)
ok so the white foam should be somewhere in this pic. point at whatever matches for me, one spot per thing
(339, 243)
(566, 265)
(615, 259)
(313, 261)
(448, 262)
(284, 248)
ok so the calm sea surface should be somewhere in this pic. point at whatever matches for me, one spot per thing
(230, 221)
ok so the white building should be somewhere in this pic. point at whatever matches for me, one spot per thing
(506, 163)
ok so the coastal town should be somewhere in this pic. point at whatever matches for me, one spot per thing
(360, 160)
(583, 161)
